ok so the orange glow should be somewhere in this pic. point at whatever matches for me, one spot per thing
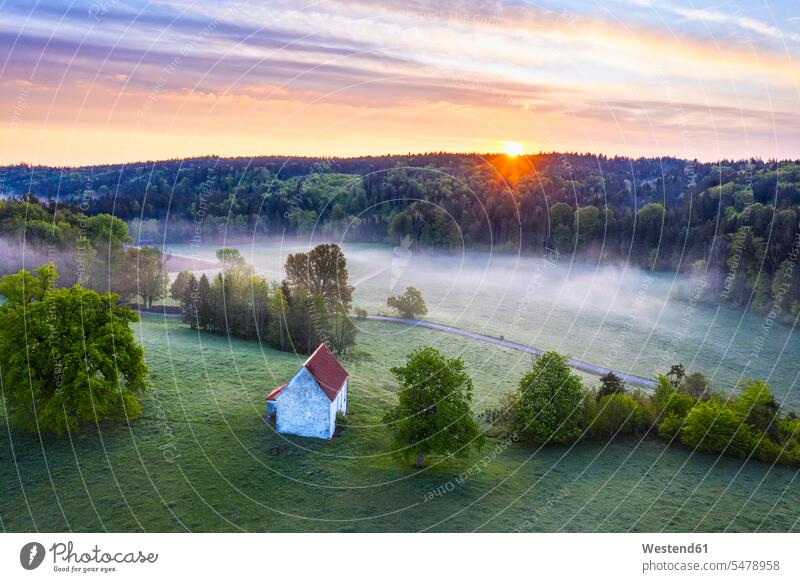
(511, 166)
(513, 149)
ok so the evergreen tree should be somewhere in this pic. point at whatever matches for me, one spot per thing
(610, 384)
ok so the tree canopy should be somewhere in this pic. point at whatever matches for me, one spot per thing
(68, 356)
(410, 304)
(322, 271)
(548, 401)
(434, 413)
(732, 223)
(610, 383)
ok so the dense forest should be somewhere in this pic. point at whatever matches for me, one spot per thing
(733, 225)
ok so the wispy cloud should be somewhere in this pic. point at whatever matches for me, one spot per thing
(747, 23)
(358, 76)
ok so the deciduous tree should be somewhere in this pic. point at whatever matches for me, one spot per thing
(144, 275)
(67, 356)
(434, 414)
(548, 401)
(322, 271)
(410, 304)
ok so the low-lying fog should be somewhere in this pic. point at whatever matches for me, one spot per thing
(616, 316)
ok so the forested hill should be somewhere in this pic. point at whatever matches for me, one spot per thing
(736, 221)
(663, 179)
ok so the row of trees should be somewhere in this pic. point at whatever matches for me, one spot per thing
(310, 306)
(551, 406)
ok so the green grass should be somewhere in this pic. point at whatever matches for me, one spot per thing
(224, 472)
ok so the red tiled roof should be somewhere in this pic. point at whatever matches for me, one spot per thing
(327, 371)
(274, 394)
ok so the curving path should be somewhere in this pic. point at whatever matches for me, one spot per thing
(646, 383)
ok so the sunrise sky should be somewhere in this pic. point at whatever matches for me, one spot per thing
(121, 81)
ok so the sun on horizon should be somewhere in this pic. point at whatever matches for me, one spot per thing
(513, 149)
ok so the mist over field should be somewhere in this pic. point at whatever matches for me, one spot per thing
(613, 315)
(617, 316)
(16, 255)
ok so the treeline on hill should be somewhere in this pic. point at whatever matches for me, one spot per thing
(551, 406)
(734, 225)
(310, 306)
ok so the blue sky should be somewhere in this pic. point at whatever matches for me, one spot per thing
(103, 81)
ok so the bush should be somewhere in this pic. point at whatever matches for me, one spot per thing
(647, 409)
(342, 423)
(788, 430)
(714, 427)
(619, 414)
(361, 313)
(695, 385)
(615, 415)
(503, 414)
(671, 426)
(758, 407)
(589, 410)
(667, 400)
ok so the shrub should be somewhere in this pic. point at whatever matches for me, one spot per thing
(361, 313)
(758, 408)
(767, 451)
(503, 414)
(616, 415)
(788, 431)
(695, 385)
(667, 400)
(670, 426)
(647, 410)
(589, 408)
(715, 427)
(342, 423)
(619, 414)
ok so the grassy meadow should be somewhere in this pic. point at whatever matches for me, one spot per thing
(203, 459)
